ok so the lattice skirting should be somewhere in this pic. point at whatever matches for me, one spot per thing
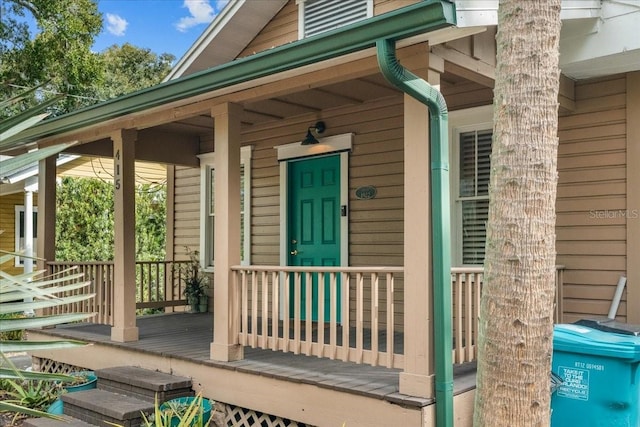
(41, 364)
(243, 417)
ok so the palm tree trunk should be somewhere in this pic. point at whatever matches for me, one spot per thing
(516, 313)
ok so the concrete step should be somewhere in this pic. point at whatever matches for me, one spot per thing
(67, 421)
(143, 383)
(97, 406)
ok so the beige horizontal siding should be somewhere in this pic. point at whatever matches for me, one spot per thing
(186, 229)
(591, 227)
(283, 28)
(384, 6)
(8, 205)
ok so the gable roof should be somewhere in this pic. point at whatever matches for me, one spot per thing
(232, 29)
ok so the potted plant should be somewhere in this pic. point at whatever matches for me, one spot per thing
(186, 411)
(83, 380)
(196, 283)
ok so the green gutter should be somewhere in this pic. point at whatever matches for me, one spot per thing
(419, 18)
(422, 91)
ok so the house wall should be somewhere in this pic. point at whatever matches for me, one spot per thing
(7, 226)
(375, 226)
(592, 212)
(283, 28)
(186, 229)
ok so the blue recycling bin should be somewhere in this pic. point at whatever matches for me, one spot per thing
(600, 378)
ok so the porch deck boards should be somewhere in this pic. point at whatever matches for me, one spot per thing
(188, 336)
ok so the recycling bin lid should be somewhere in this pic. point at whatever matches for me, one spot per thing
(610, 325)
(585, 340)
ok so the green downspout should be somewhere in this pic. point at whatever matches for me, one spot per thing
(443, 335)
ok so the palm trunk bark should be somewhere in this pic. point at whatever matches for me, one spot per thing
(516, 313)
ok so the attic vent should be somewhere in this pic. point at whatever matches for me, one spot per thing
(318, 16)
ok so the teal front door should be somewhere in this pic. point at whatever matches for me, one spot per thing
(314, 225)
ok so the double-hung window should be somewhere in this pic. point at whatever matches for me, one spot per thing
(208, 210)
(473, 193)
(319, 16)
(471, 140)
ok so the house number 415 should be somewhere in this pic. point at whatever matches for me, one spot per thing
(116, 174)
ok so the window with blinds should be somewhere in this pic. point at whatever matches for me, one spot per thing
(318, 16)
(473, 193)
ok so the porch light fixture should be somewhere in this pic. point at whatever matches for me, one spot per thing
(319, 128)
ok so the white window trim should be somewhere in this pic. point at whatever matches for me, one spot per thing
(301, 20)
(19, 261)
(471, 119)
(206, 165)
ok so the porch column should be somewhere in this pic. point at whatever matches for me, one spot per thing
(28, 229)
(124, 262)
(226, 249)
(418, 377)
(46, 249)
(28, 238)
(633, 198)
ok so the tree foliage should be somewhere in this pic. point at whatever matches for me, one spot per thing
(85, 224)
(31, 292)
(58, 55)
(128, 68)
(58, 52)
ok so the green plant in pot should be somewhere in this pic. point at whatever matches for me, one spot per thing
(196, 283)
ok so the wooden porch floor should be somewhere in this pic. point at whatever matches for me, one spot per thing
(188, 336)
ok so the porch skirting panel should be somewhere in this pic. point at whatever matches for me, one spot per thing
(266, 384)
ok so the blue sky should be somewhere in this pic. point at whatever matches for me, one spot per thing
(164, 26)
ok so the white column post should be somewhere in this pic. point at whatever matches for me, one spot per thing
(124, 311)
(225, 346)
(418, 377)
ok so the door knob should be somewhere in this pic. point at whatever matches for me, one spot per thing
(294, 252)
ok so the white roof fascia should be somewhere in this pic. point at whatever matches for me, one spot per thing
(228, 34)
(32, 170)
(473, 13)
(31, 184)
(607, 45)
(210, 33)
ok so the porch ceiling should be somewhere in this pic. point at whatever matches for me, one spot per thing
(336, 95)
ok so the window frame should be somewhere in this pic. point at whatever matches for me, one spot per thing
(19, 209)
(473, 119)
(206, 225)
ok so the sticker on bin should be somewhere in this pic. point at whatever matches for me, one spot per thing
(575, 383)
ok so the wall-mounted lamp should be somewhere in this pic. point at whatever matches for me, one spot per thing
(319, 127)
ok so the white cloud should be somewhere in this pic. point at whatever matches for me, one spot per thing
(200, 12)
(116, 25)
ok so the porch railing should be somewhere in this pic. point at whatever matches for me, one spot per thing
(360, 318)
(466, 289)
(158, 285)
(361, 322)
(354, 320)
